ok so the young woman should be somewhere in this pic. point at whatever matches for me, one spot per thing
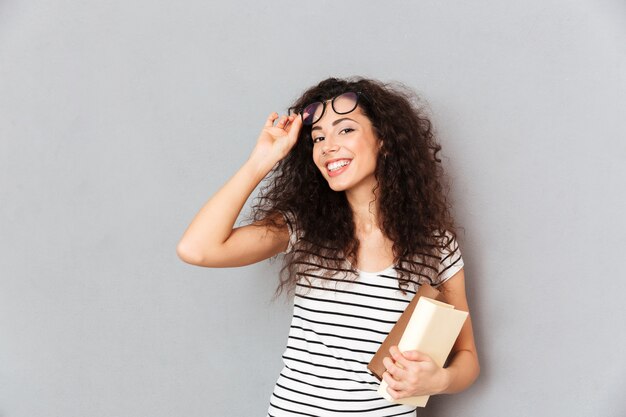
(355, 200)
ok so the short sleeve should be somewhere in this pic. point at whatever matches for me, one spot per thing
(451, 259)
(290, 219)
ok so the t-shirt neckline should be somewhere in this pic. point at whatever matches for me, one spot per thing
(390, 267)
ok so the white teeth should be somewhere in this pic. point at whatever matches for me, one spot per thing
(333, 166)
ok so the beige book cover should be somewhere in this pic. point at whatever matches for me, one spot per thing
(432, 329)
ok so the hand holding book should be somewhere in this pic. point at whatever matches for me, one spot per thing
(413, 373)
(427, 326)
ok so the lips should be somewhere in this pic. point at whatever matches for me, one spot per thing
(337, 166)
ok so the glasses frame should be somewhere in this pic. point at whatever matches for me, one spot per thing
(332, 104)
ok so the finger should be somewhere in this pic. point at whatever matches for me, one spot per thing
(290, 119)
(294, 127)
(393, 369)
(288, 124)
(399, 357)
(414, 355)
(394, 387)
(394, 394)
(282, 121)
(269, 122)
(395, 353)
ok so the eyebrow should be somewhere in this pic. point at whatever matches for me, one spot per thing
(335, 123)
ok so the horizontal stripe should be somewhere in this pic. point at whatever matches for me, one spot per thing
(412, 272)
(356, 339)
(395, 310)
(298, 413)
(420, 263)
(335, 313)
(290, 348)
(353, 293)
(345, 326)
(393, 288)
(337, 410)
(367, 352)
(315, 365)
(348, 399)
(329, 388)
(332, 378)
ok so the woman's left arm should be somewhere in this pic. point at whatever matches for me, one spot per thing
(463, 368)
(413, 373)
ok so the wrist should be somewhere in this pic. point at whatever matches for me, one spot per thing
(258, 168)
(446, 380)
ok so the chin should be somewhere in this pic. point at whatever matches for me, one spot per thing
(335, 185)
(337, 188)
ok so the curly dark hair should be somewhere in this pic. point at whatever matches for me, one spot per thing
(413, 208)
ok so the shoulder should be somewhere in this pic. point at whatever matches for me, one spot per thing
(295, 233)
(449, 253)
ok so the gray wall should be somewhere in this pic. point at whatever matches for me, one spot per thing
(119, 119)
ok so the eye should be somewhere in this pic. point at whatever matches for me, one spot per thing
(318, 139)
(346, 130)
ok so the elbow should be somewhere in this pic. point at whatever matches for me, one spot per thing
(477, 370)
(195, 255)
(188, 254)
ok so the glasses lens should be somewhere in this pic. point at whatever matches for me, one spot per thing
(345, 103)
(312, 113)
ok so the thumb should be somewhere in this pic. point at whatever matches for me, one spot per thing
(294, 127)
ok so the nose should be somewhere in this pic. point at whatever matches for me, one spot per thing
(326, 149)
(329, 145)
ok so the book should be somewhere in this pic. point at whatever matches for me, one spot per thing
(393, 338)
(432, 329)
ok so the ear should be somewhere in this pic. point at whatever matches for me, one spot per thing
(384, 153)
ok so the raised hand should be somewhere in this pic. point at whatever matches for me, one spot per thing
(278, 136)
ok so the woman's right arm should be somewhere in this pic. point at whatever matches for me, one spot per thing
(210, 240)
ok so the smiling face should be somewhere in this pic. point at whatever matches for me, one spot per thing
(345, 149)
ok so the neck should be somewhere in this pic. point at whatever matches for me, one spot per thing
(364, 204)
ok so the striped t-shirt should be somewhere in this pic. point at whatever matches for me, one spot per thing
(336, 328)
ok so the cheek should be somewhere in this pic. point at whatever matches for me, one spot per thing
(316, 155)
